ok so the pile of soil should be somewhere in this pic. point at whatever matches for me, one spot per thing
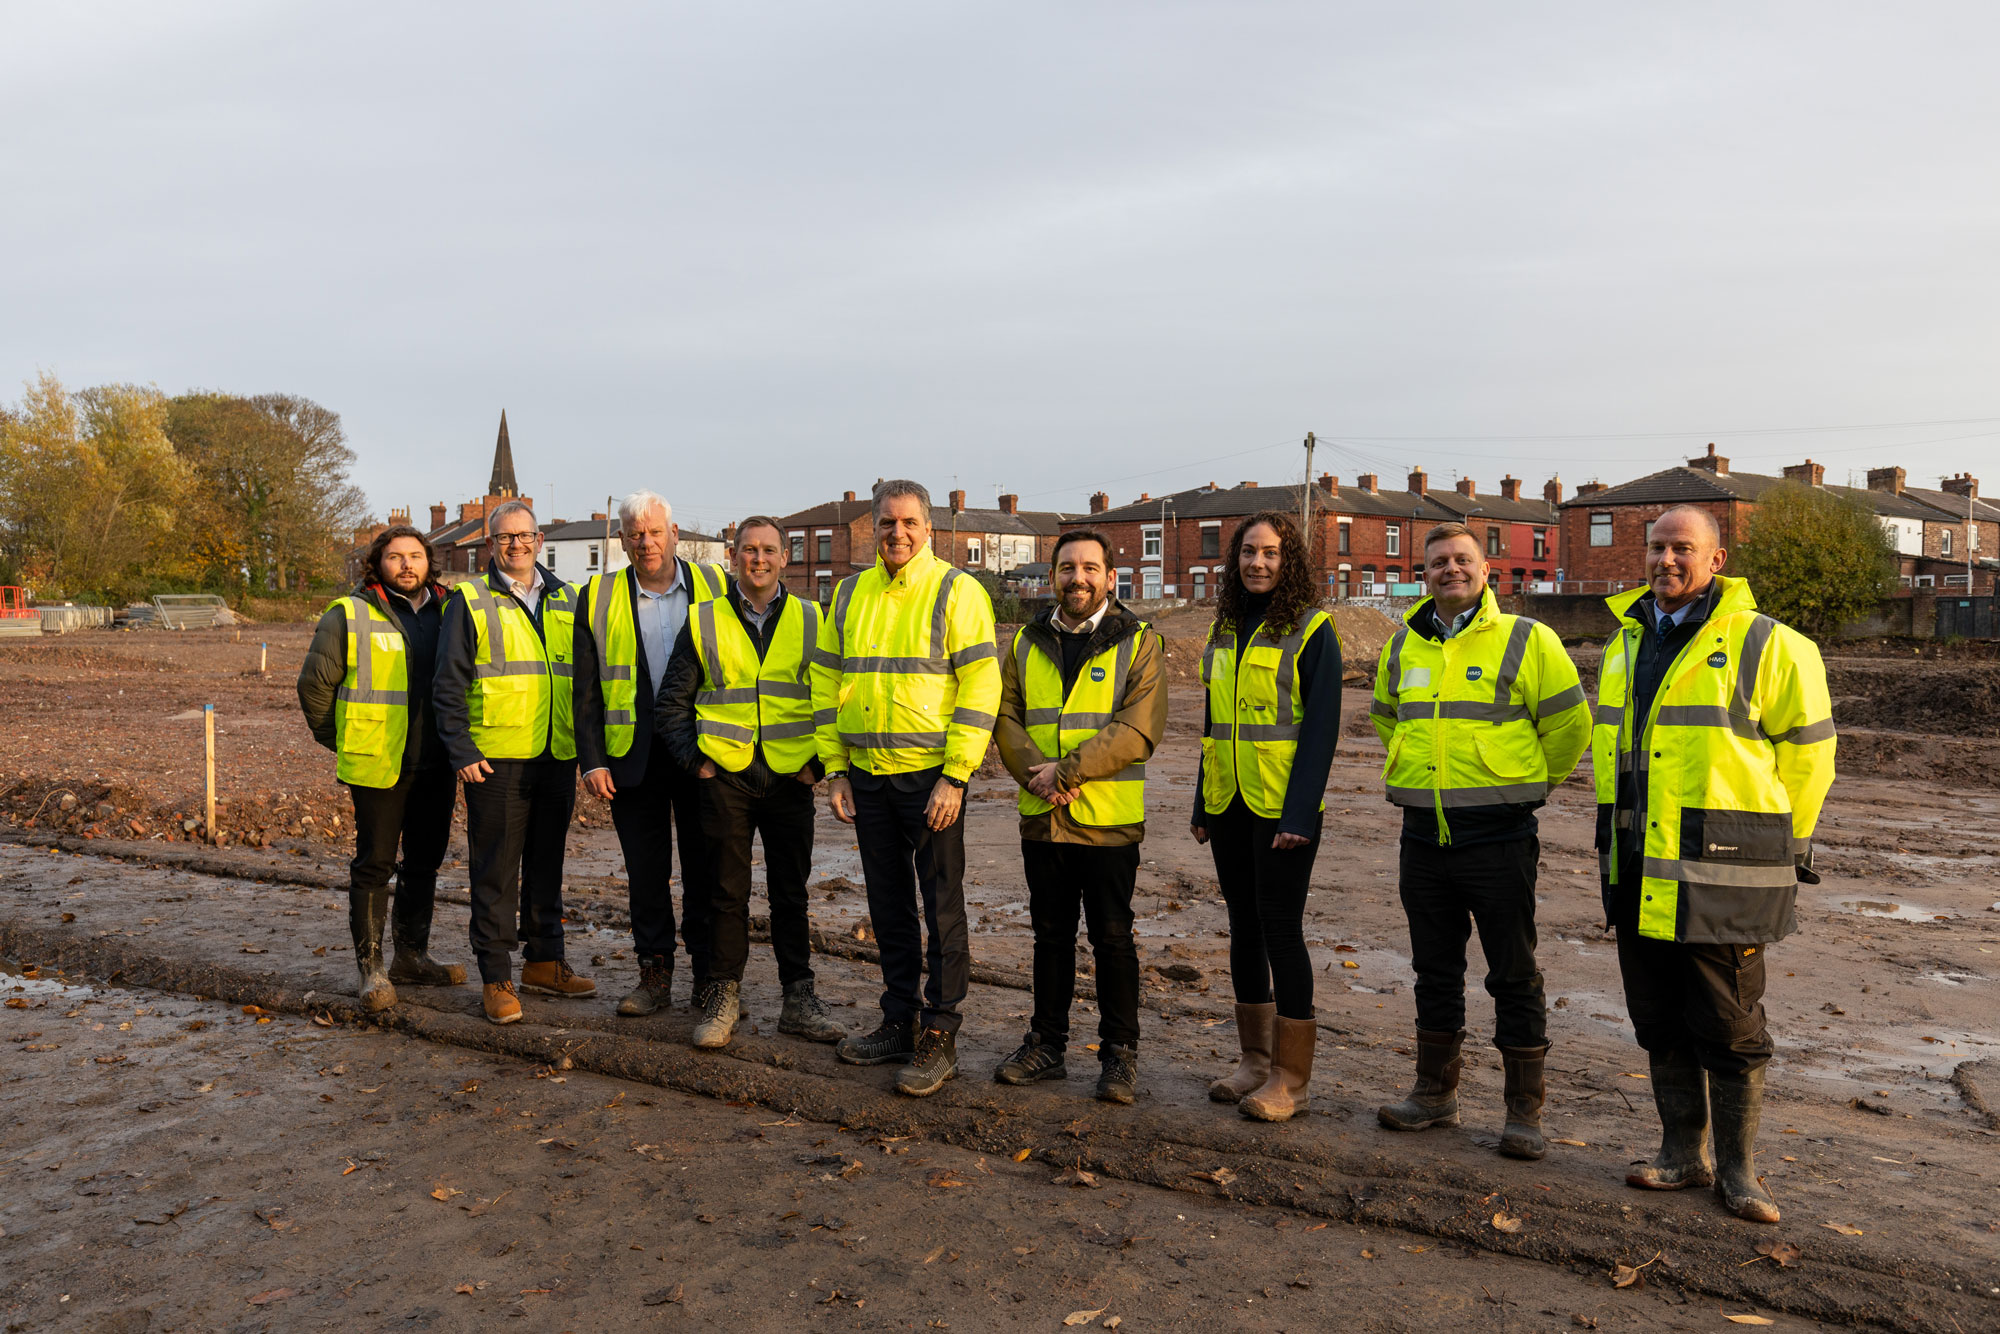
(1962, 700)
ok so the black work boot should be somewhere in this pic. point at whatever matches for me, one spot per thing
(1118, 1078)
(1680, 1092)
(892, 1040)
(655, 989)
(1433, 1099)
(935, 1061)
(413, 962)
(1525, 1091)
(366, 914)
(1033, 1061)
(805, 1015)
(1736, 1105)
(719, 1015)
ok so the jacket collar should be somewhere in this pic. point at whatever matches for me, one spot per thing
(1418, 618)
(919, 566)
(498, 581)
(1120, 623)
(1731, 596)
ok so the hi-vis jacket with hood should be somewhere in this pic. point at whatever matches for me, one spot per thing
(1728, 772)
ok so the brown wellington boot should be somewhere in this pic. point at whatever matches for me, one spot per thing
(1284, 1093)
(1433, 1099)
(1256, 1027)
(1525, 1090)
(555, 978)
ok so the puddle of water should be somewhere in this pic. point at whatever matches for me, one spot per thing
(1901, 912)
(15, 982)
(1952, 979)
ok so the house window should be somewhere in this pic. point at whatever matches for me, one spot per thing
(1149, 542)
(1541, 544)
(1394, 539)
(825, 586)
(972, 551)
(826, 546)
(798, 548)
(1600, 530)
(1150, 581)
(593, 557)
(1345, 575)
(1395, 574)
(1492, 541)
(1367, 579)
(1201, 577)
(1211, 539)
(1125, 583)
(1520, 581)
(1944, 542)
(1346, 538)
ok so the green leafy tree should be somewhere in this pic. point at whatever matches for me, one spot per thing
(1816, 559)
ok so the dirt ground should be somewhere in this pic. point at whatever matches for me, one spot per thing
(1879, 1137)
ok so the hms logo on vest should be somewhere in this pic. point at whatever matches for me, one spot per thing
(1097, 673)
(1718, 659)
(1473, 673)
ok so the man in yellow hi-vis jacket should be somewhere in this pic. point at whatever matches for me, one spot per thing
(1713, 748)
(906, 682)
(1483, 717)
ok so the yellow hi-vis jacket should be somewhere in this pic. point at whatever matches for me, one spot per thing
(907, 677)
(744, 703)
(1731, 768)
(371, 710)
(616, 629)
(1254, 712)
(1492, 716)
(1058, 726)
(520, 696)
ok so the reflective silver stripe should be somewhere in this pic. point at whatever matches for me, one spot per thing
(727, 731)
(620, 718)
(821, 658)
(786, 731)
(1077, 722)
(938, 611)
(809, 639)
(1510, 662)
(372, 696)
(972, 718)
(1807, 735)
(492, 669)
(711, 655)
(480, 599)
(727, 695)
(1748, 660)
(1208, 657)
(603, 588)
(1383, 710)
(1288, 652)
(1041, 717)
(1131, 773)
(973, 653)
(1548, 708)
(1396, 660)
(712, 576)
(1723, 873)
(1609, 715)
(894, 740)
(768, 689)
(1268, 732)
(1123, 671)
(367, 689)
(1706, 715)
(1477, 710)
(905, 666)
(1506, 794)
(564, 669)
(1020, 647)
(825, 717)
(843, 597)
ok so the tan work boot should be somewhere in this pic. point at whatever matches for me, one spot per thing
(1255, 1027)
(1284, 1093)
(501, 1004)
(555, 979)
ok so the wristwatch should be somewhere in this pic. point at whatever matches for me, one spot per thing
(958, 783)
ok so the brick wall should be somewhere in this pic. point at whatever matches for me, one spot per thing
(1625, 558)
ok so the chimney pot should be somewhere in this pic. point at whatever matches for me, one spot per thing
(957, 502)
(438, 512)
(598, 516)
(1964, 484)
(1510, 488)
(1367, 482)
(1099, 502)
(1812, 474)
(1552, 491)
(1711, 461)
(1420, 482)
(1468, 488)
(847, 496)
(1010, 504)
(1887, 479)
(1589, 489)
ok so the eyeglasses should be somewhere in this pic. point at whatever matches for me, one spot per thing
(515, 539)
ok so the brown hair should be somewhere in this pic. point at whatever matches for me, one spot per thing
(758, 521)
(373, 563)
(1444, 532)
(1295, 593)
(1080, 535)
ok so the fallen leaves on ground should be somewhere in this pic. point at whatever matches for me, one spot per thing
(945, 1178)
(323, 1020)
(1221, 1176)
(1506, 1222)
(1784, 1252)
(1076, 1176)
(445, 1193)
(1083, 1317)
(1023, 1155)
(1746, 1319)
(1573, 1143)
(1630, 1276)
(1844, 1229)
(940, 1250)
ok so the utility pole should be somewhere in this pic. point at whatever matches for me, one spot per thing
(1970, 536)
(1306, 503)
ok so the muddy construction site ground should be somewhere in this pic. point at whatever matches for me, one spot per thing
(199, 1132)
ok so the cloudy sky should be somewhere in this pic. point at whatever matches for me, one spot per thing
(752, 255)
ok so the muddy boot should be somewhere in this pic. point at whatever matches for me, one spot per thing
(934, 1061)
(1255, 1027)
(718, 1016)
(1523, 1136)
(655, 989)
(805, 1015)
(893, 1040)
(365, 917)
(1736, 1104)
(1680, 1092)
(554, 977)
(1284, 1093)
(1118, 1075)
(413, 962)
(1433, 1099)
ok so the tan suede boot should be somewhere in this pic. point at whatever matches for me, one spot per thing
(1284, 1093)
(1256, 1026)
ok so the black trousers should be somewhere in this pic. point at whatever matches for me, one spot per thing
(646, 816)
(1704, 999)
(1447, 891)
(1063, 877)
(1265, 890)
(516, 823)
(783, 818)
(908, 864)
(415, 813)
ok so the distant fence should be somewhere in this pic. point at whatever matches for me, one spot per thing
(1968, 618)
(62, 620)
(191, 611)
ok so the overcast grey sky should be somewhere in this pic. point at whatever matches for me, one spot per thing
(752, 255)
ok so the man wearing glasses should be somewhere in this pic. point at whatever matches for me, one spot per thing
(502, 696)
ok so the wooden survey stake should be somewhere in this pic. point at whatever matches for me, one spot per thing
(208, 731)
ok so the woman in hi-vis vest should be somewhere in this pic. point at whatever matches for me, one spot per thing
(1271, 670)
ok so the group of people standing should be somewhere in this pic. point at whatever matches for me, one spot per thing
(709, 704)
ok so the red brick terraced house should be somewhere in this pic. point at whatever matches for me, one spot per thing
(1522, 537)
(828, 542)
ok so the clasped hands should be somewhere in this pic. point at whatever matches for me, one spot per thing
(1042, 782)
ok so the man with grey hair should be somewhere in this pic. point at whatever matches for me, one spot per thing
(626, 627)
(502, 700)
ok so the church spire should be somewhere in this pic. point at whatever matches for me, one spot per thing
(503, 483)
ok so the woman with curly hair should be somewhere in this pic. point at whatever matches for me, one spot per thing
(1272, 671)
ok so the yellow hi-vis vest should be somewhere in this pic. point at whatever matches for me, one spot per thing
(371, 710)
(520, 696)
(744, 703)
(616, 630)
(1254, 712)
(1058, 726)
(1492, 716)
(907, 676)
(1731, 767)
